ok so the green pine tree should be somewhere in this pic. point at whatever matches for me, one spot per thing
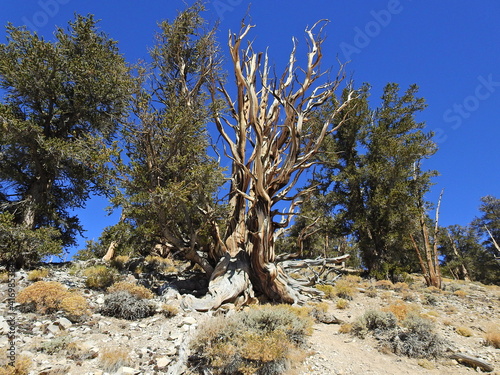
(62, 102)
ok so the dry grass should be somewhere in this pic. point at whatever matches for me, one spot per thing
(21, 366)
(113, 359)
(345, 328)
(169, 311)
(260, 340)
(46, 297)
(4, 277)
(492, 337)
(329, 290)
(342, 304)
(460, 293)
(401, 310)
(75, 306)
(160, 265)
(120, 262)
(345, 289)
(384, 284)
(464, 331)
(99, 277)
(37, 275)
(42, 296)
(401, 287)
(138, 291)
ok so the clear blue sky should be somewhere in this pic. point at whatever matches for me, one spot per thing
(450, 48)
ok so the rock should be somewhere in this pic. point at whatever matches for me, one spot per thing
(188, 320)
(171, 350)
(55, 370)
(325, 317)
(53, 328)
(163, 362)
(63, 323)
(175, 335)
(127, 371)
(4, 327)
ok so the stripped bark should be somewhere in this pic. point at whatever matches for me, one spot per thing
(270, 144)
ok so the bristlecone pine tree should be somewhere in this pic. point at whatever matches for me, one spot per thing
(62, 103)
(270, 142)
(169, 182)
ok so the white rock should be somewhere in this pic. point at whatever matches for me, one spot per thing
(163, 362)
(127, 371)
(53, 328)
(174, 335)
(4, 327)
(188, 320)
(63, 323)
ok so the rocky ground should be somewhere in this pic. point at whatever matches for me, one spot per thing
(52, 344)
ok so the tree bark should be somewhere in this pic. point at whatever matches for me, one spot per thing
(270, 144)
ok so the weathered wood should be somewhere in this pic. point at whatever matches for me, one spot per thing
(230, 282)
(303, 263)
(473, 361)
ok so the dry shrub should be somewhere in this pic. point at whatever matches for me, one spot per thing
(75, 306)
(77, 351)
(342, 303)
(138, 291)
(160, 265)
(46, 297)
(37, 275)
(123, 305)
(425, 363)
(417, 339)
(329, 290)
(120, 262)
(371, 292)
(408, 296)
(169, 310)
(54, 345)
(384, 284)
(463, 331)
(413, 338)
(42, 296)
(374, 320)
(113, 359)
(4, 277)
(460, 293)
(401, 310)
(433, 289)
(492, 337)
(345, 289)
(345, 328)
(401, 287)
(99, 277)
(260, 340)
(353, 279)
(430, 299)
(319, 307)
(21, 366)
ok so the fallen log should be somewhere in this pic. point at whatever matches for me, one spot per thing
(472, 361)
(303, 263)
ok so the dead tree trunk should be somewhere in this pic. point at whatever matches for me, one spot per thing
(270, 141)
(429, 258)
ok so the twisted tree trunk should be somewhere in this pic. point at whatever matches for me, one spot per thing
(271, 141)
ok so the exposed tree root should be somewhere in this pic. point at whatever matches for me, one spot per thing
(233, 281)
(230, 282)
